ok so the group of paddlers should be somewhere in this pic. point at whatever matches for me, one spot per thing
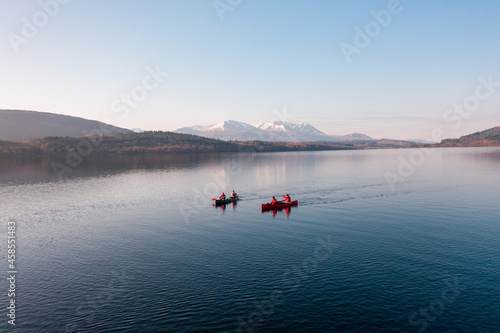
(286, 198)
(223, 196)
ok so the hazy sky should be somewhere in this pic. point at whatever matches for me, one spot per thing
(395, 69)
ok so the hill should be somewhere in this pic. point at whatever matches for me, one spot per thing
(169, 142)
(18, 125)
(486, 138)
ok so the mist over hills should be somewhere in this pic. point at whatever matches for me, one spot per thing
(280, 131)
(19, 125)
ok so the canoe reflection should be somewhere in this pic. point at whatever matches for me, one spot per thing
(286, 211)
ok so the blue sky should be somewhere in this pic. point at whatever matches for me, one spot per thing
(258, 61)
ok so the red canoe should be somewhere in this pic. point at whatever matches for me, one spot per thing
(280, 204)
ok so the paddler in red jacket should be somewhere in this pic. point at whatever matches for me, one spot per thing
(286, 198)
(274, 201)
(222, 197)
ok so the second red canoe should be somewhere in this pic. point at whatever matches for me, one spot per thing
(279, 205)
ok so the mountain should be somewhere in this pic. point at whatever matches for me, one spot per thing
(353, 136)
(489, 137)
(294, 132)
(225, 130)
(18, 125)
(280, 131)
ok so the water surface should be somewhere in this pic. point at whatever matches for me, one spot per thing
(134, 244)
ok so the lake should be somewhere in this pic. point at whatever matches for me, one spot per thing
(381, 241)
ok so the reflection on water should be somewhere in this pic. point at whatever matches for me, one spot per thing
(285, 210)
(223, 207)
(264, 166)
(133, 243)
(22, 170)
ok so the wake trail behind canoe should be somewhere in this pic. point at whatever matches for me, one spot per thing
(322, 196)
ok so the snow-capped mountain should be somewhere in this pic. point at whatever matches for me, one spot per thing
(230, 125)
(284, 126)
(195, 130)
(276, 131)
(225, 130)
(295, 132)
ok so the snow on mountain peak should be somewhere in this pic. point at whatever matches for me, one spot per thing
(275, 131)
(229, 125)
(285, 126)
(271, 127)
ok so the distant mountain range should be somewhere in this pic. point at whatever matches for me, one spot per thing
(18, 125)
(279, 131)
(55, 135)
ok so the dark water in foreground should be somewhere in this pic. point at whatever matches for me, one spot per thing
(140, 248)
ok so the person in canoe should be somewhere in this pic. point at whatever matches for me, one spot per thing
(222, 196)
(274, 201)
(233, 194)
(286, 198)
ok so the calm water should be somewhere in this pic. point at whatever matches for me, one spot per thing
(134, 245)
